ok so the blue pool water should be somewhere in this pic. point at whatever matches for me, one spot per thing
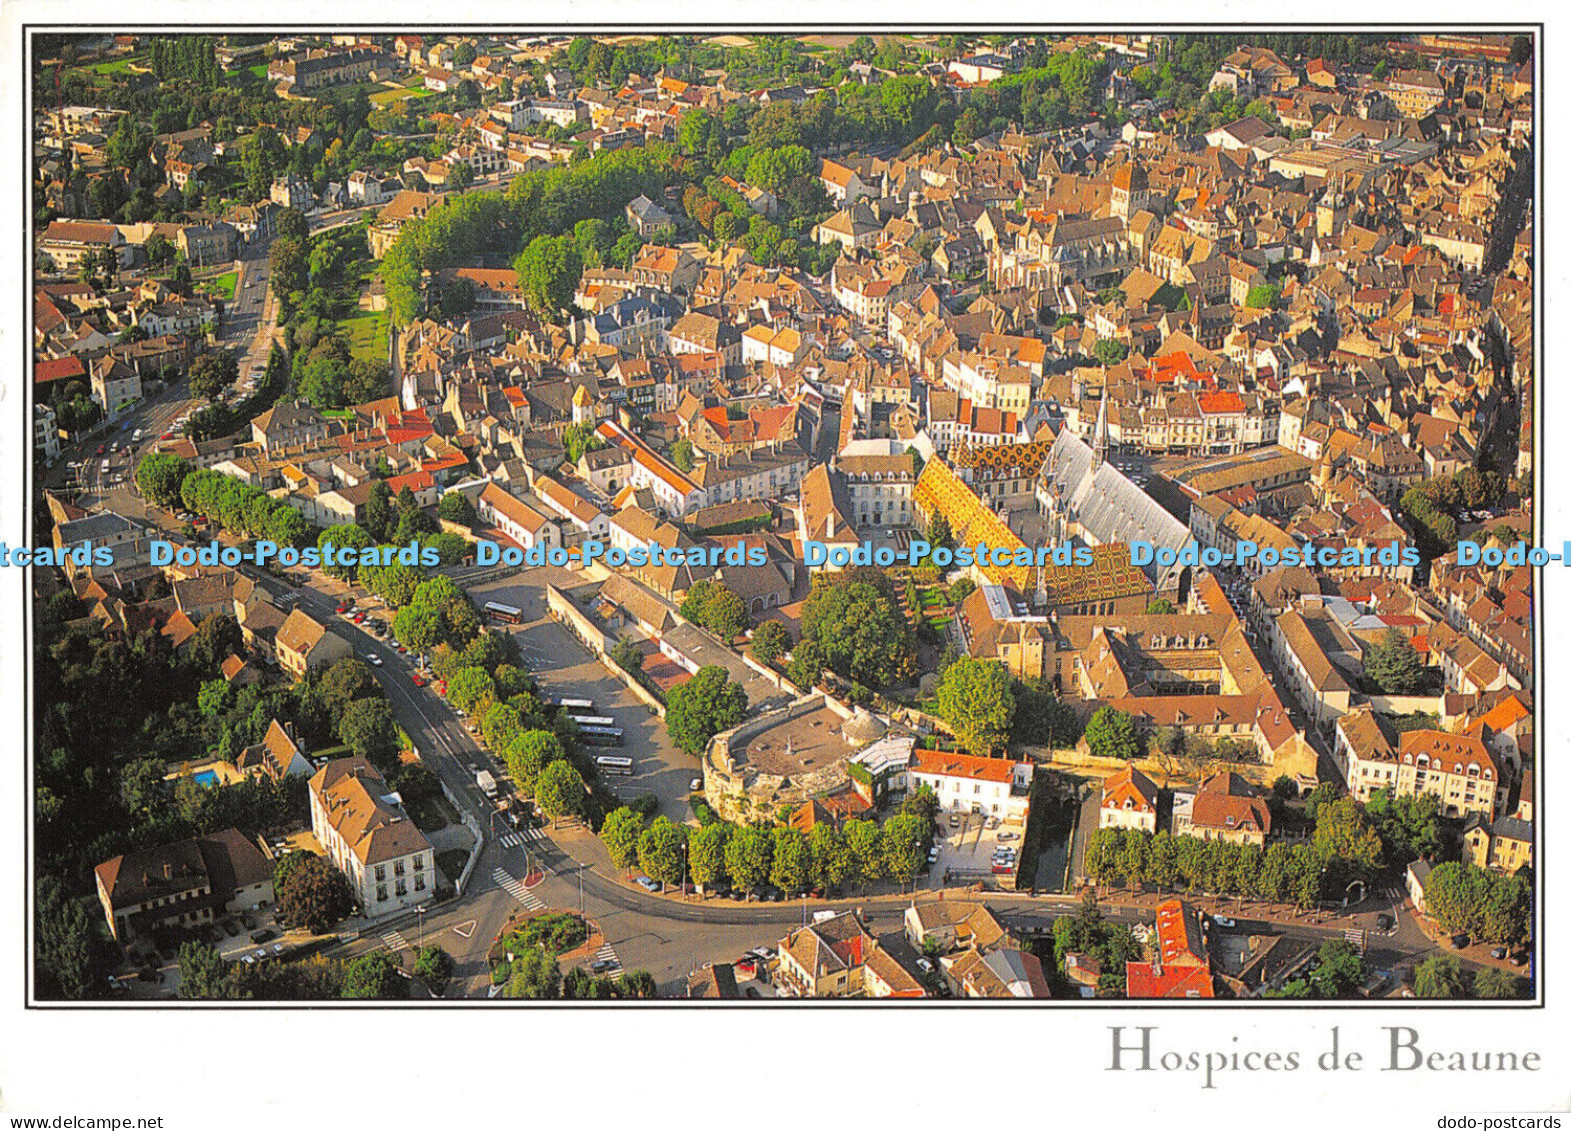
(205, 777)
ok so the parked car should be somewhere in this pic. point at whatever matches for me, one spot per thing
(695, 785)
(373, 659)
(1498, 953)
(1008, 835)
(925, 965)
(1223, 921)
(263, 935)
(599, 966)
(647, 884)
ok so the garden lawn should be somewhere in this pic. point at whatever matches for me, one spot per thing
(219, 286)
(367, 332)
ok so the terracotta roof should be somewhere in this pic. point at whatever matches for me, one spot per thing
(962, 766)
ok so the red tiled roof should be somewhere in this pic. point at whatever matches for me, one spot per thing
(58, 369)
(1142, 980)
(962, 766)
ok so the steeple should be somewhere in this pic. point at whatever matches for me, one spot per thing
(1099, 441)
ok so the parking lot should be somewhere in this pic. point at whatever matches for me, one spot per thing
(563, 667)
(965, 849)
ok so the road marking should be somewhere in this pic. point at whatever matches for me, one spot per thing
(518, 891)
(466, 928)
(394, 940)
(607, 953)
(493, 991)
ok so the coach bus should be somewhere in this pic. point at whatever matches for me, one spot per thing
(582, 706)
(601, 736)
(506, 614)
(614, 767)
(593, 720)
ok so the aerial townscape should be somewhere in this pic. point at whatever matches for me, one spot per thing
(1148, 316)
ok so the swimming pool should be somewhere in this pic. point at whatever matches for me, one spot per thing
(205, 777)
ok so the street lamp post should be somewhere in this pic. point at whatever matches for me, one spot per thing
(420, 924)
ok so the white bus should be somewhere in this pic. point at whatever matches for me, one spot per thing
(507, 614)
(593, 720)
(614, 766)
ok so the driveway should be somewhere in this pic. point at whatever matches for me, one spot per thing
(966, 850)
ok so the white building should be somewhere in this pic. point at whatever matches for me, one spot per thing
(46, 433)
(964, 783)
(362, 826)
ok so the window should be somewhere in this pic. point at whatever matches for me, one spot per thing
(419, 863)
(400, 888)
(420, 883)
(381, 871)
(381, 892)
(398, 868)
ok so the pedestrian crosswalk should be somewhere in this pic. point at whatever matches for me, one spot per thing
(394, 940)
(516, 889)
(607, 954)
(520, 838)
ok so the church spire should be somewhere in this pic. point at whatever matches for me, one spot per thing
(1099, 441)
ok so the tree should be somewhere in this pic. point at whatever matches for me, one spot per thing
(702, 707)
(791, 870)
(203, 972)
(560, 791)
(626, 655)
(212, 373)
(902, 849)
(312, 894)
(375, 975)
(367, 727)
(468, 686)
(662, 851)
(1521, 49)
(1394, 665)
(434, 967)
(1160, 607)
(864, 843)
(748, 855)
(456, 507)
(1439, 976)
(1409, 827)
(1493, 983)
(159, 477)
(682, 455)
(1109, 352)
(72, 957)
(725, 615)
(858, 629)
(639, 984)
(548, 270)
(770, 642)
(833, 862)
(528, 754)
(347, 680)
(1111, 734)
(975, 698)
(1341, 971)
(1344, 834)
(535, 974)
(1263, 296)
(706, 849)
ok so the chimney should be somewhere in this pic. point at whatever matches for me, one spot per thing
(169, 871)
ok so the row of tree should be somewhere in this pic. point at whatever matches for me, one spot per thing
(749, 857)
